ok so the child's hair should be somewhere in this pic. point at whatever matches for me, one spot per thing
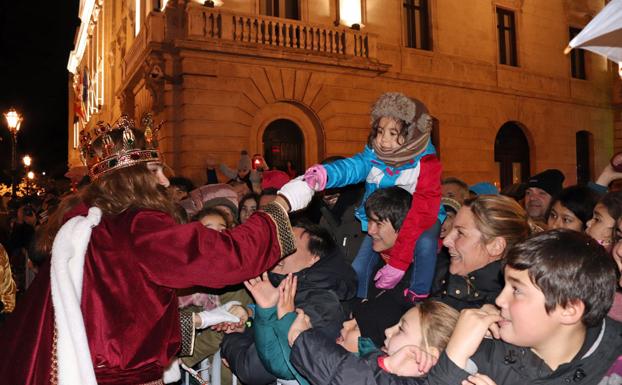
(568, 266)
(321, 243)
(580, 200)
(401, 125)
(500, 216)
(213, 211)
(184, 184)
(390, 203)
(248, 197)
(613, 203)
(437, 323)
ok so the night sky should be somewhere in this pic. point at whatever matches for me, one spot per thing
(35, 41)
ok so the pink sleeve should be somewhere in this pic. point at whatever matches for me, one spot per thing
(422, 214)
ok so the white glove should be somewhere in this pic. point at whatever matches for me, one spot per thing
(298, 193)
(172, 373)
(218, 315)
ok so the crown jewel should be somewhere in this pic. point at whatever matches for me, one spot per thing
(127, 154)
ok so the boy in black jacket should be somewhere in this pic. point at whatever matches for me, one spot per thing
(552, 320)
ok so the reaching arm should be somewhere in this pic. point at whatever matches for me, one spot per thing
(188, 255)
(349, 171)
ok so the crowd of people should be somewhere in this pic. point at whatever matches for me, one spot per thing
(364, 270)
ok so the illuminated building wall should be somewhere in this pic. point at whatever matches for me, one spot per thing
(246, 73)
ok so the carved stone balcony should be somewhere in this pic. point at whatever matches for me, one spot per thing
(271, 37)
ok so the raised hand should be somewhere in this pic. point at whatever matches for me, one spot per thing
(287, 293)
(410, 361)
(472, 326)
(316, 177)
(263, 292)
(300, 324)
(493, 329)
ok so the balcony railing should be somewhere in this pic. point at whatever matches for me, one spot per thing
(215, 24)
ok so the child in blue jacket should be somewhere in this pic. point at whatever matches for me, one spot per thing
(399, 152)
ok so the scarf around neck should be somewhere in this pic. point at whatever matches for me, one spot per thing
(403, 154)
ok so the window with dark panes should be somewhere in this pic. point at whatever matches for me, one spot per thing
(289, 9)
(417, 19)
(506, 27)
(577, 58)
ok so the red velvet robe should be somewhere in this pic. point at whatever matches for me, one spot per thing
(134, 263)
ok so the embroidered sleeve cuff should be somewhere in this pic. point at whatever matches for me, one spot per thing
(187, 333)
(283, 227)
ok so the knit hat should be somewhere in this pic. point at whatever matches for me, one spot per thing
(209, 196)
(418, 126)
(245, 161)
(484, 188)
(450, 204)
(550, 180)
(378, 314)
(399, 106)
(274, 179)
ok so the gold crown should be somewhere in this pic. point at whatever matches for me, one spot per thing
(105, 159)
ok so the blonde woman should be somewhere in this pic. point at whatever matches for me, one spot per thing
(484, 228)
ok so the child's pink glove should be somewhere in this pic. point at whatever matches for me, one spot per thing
(388, 277)
(316, 177)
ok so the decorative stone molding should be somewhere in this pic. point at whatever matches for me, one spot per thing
(126, 102)
(155, 78)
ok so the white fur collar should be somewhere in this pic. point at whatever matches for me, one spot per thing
(75, 365)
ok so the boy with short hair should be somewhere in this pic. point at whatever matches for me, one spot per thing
(552, 320)
(386, 211)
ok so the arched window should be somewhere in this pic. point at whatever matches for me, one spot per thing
(283, 141)
(512, 154)
(584, 157)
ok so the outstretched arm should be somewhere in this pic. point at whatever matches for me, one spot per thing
(180, 256)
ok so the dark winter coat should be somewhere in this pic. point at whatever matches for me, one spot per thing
(321, 290)
(479, 287)
(322, 362)
(508, 364)
(341, 222)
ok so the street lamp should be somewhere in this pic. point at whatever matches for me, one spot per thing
(13, 121)
(30, 176)
(27, 162)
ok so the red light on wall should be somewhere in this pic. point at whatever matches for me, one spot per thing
(276, 149)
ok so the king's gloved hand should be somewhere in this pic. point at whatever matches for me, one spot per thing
(388, 277)
(218, 315)
(298, 193)
(316, 177)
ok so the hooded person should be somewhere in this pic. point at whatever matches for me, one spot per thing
(105, 309)
(399, 152)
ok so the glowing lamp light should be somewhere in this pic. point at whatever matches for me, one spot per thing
(27, 160)
(350, 13)
(31, 175)
(13, 120)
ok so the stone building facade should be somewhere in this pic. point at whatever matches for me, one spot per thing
(295, 79)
